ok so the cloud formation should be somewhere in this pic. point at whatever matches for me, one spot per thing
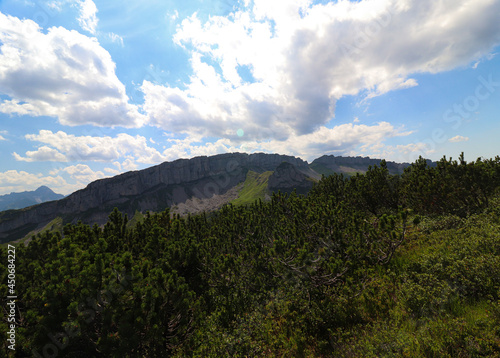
(63, 147)
(17, 181)
(60, 73)
(458, 139)
(88, 16)
(62, 180)
(346, 139)
(301, 58)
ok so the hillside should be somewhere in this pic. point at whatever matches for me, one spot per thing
(27, 198)
(377, 265)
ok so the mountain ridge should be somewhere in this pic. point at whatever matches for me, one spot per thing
(168, 184)
(150, 189)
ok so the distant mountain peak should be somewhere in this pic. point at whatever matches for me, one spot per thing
(43, 188)
(28, 198)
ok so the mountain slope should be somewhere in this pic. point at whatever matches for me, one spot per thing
(27, 198)
(255, 187)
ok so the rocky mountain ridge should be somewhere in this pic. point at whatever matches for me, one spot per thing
(154, 189)
(210, 181)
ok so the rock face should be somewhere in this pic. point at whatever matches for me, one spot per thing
(288, 177)
(153, 189)
(328, 164)
(27, 198)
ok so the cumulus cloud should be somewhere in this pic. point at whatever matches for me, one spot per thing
(112, 171)
(125, 151)
(83, 173)
(458, 139)
(88, 16)
(60, 73)
(345, 139)
(303, 57)
(64, 147)
(16, 181)
(129, 164)
(79, 175)
(42, 154)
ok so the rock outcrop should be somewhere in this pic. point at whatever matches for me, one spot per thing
(287, 177)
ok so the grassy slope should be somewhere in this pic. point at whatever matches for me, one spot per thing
(138, 217)
(321, 169)
(254, 187)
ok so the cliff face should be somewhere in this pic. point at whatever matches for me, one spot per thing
(154, 189)
(329, 163)
(288, 177)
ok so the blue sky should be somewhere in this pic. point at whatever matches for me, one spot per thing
(90, 89)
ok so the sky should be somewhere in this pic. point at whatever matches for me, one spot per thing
(91, 89)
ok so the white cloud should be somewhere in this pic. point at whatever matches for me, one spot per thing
(173, 16)
(68, 147)
(129, 164)
(458, 139)
(304, 57)
(83, 174)
(129, 150)
(116, 38)
(401, 153)
(88, 16)
(345, 139)
(112, 171)
(2, 138)
(42, 154)
(17, 181)
(60, 73)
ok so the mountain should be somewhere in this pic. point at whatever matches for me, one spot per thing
(27, 198)
(186, 186)
(201, 179)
